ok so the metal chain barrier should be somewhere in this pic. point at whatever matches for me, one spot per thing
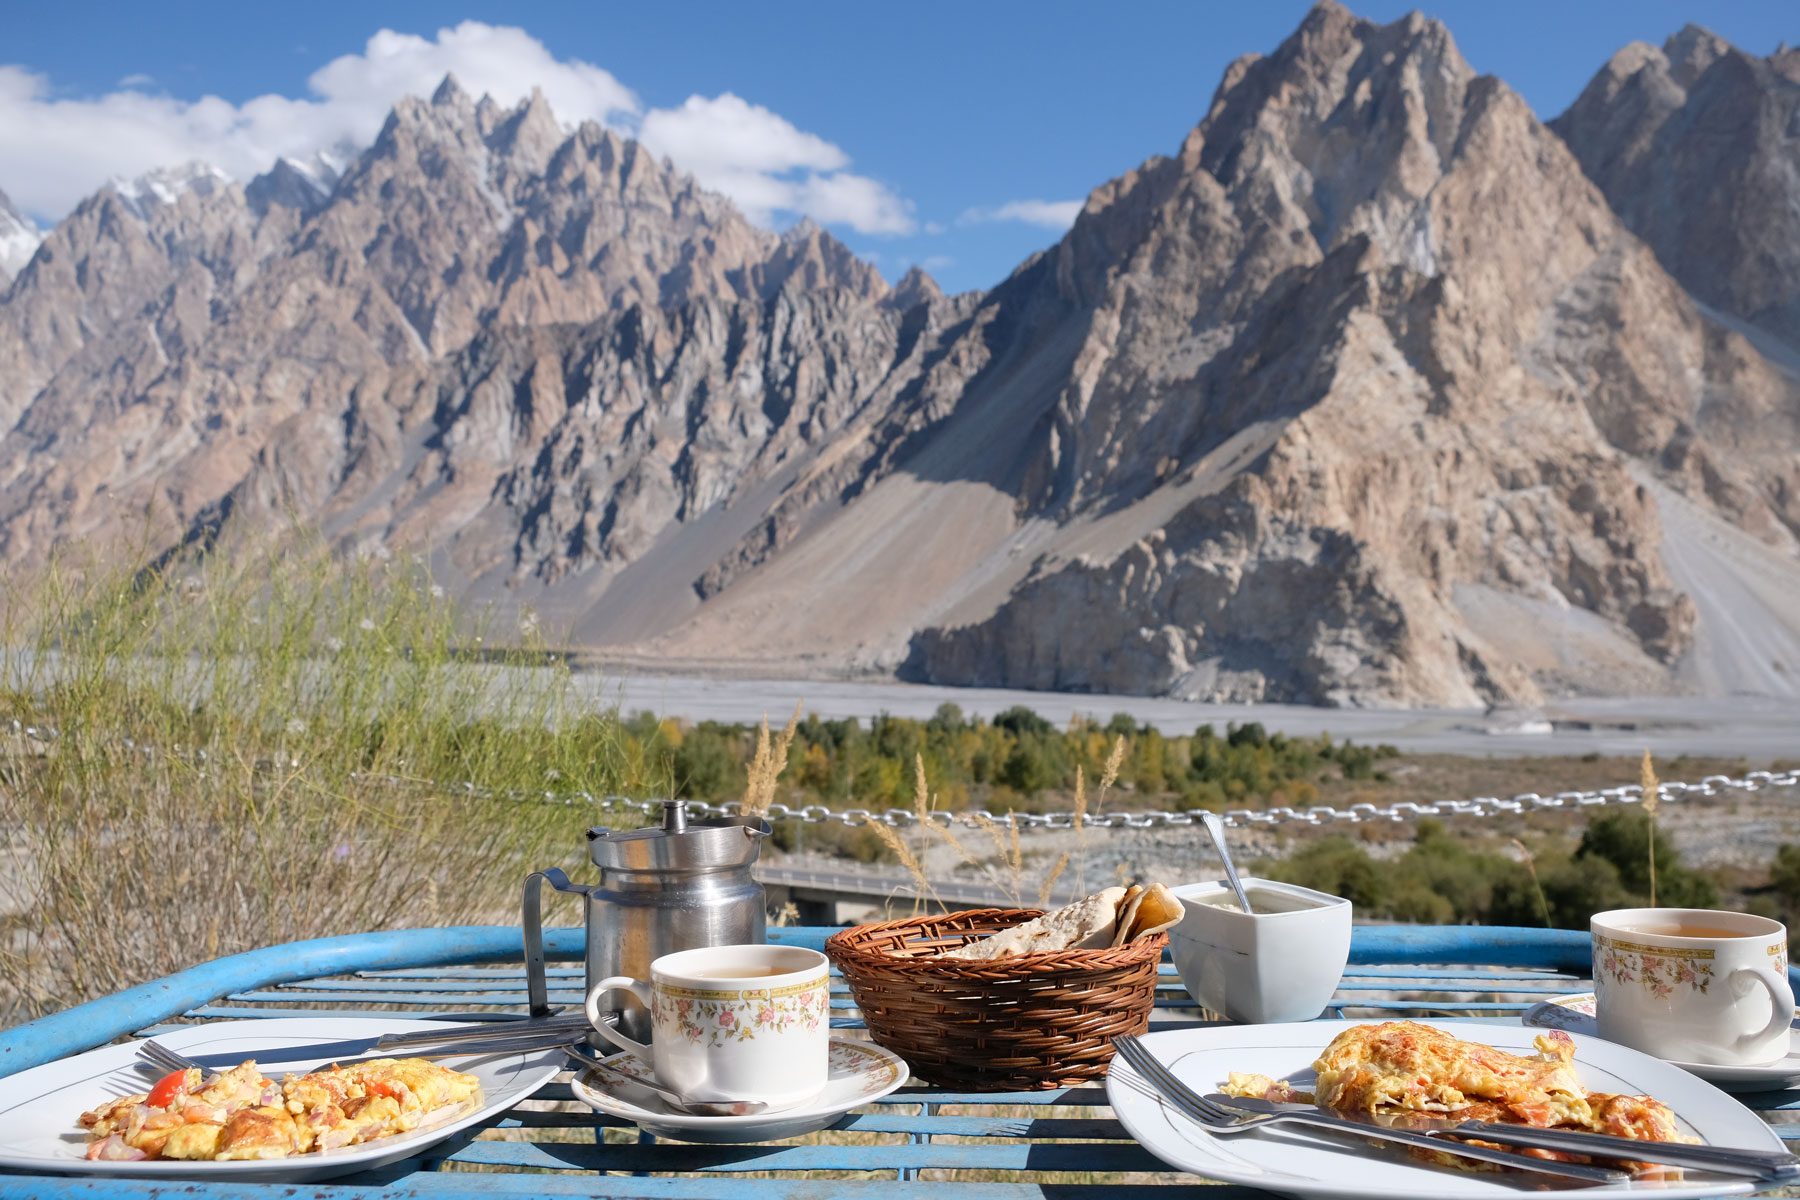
(1317, 814)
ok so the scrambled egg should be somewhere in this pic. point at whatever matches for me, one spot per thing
(239, 1114)
(1403, 1065)
(1402, 1071)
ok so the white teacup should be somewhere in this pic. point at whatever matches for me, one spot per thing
(1692, 984)
(731, 1023)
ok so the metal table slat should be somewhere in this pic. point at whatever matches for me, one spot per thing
(428, 1185)
(559, 996)
(1448, 973)
(984, 1156)
(460, 973)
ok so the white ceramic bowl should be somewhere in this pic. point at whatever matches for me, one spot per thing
(1281, 963)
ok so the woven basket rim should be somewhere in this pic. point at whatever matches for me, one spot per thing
(847, 943)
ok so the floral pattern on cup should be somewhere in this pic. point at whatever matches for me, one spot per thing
(872, 1071)
(1659, 970)
(719, 1017)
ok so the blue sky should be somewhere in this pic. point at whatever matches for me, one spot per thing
(953, 135)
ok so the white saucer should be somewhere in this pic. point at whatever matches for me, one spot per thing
(1576, 1014)
(861, 1073)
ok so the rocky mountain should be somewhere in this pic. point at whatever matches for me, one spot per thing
(169, 325)
(1697, 146)
(1453, 358)
(1366, 395)
(19, 238)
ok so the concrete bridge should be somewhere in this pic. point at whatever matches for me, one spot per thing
(847, 893)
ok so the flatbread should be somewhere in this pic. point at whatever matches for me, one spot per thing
(1150, 912)
(1128, 905)
(1084, 925)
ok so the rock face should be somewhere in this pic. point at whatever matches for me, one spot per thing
(1454, 351)
(171, 324)
(1365, 396)
(1695, 145)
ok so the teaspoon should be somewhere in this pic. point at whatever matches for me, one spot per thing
(619, 1082)
(1216, 827)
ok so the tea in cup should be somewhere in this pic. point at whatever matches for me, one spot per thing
(732, 1023)
(1693, 985)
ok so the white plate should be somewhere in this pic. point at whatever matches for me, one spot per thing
(40, 1129)
(1576, 1014)
(861, 1073)
(1320, 1166)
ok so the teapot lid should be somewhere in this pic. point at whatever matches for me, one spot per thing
(679, 844)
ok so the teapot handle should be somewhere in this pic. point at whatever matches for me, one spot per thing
(537, 986)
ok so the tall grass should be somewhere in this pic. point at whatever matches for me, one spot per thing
(245, 754)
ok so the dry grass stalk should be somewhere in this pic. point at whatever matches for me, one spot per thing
(1009, 855)
(924, 808)
(767, 765)
(1652, 798)
(1018, 852)
(1050, 880)
(922, 889)
(1109, 775)
(1081, 805)
(1530, 862)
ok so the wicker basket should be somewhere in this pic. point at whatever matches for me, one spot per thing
(1013, 1024)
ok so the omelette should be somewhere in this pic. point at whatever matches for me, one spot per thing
(240, 1114)
(1401, 1069)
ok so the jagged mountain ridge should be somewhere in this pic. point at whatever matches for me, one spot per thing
(1695, 146)
(1364, 396)
(159, 336)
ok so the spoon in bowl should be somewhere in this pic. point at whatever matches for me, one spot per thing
(1216, 826)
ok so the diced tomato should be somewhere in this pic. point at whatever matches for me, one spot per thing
(167, 1088)
(381, 1087)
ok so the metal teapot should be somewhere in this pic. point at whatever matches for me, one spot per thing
(677, 886)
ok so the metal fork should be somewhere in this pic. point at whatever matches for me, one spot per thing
(1160, 1082)
(157, 1055)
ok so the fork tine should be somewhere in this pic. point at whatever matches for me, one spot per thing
(1158, 1073)
(151, 1051)
(163, 1056)
(1159, 1076)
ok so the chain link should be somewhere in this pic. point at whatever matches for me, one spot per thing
(819, 814)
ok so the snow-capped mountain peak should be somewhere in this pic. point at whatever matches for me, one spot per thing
(165, 185)
(19, 238)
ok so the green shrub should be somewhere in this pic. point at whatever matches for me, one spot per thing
(1338, 866)
(1021, 721)
(1621, 838)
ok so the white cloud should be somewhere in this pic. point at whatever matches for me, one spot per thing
(856, 200)
(1050, 214)
(938, 262)
(54, 151)
(729, 130)
(765, 164)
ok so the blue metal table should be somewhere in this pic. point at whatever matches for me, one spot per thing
(1040, 1144)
